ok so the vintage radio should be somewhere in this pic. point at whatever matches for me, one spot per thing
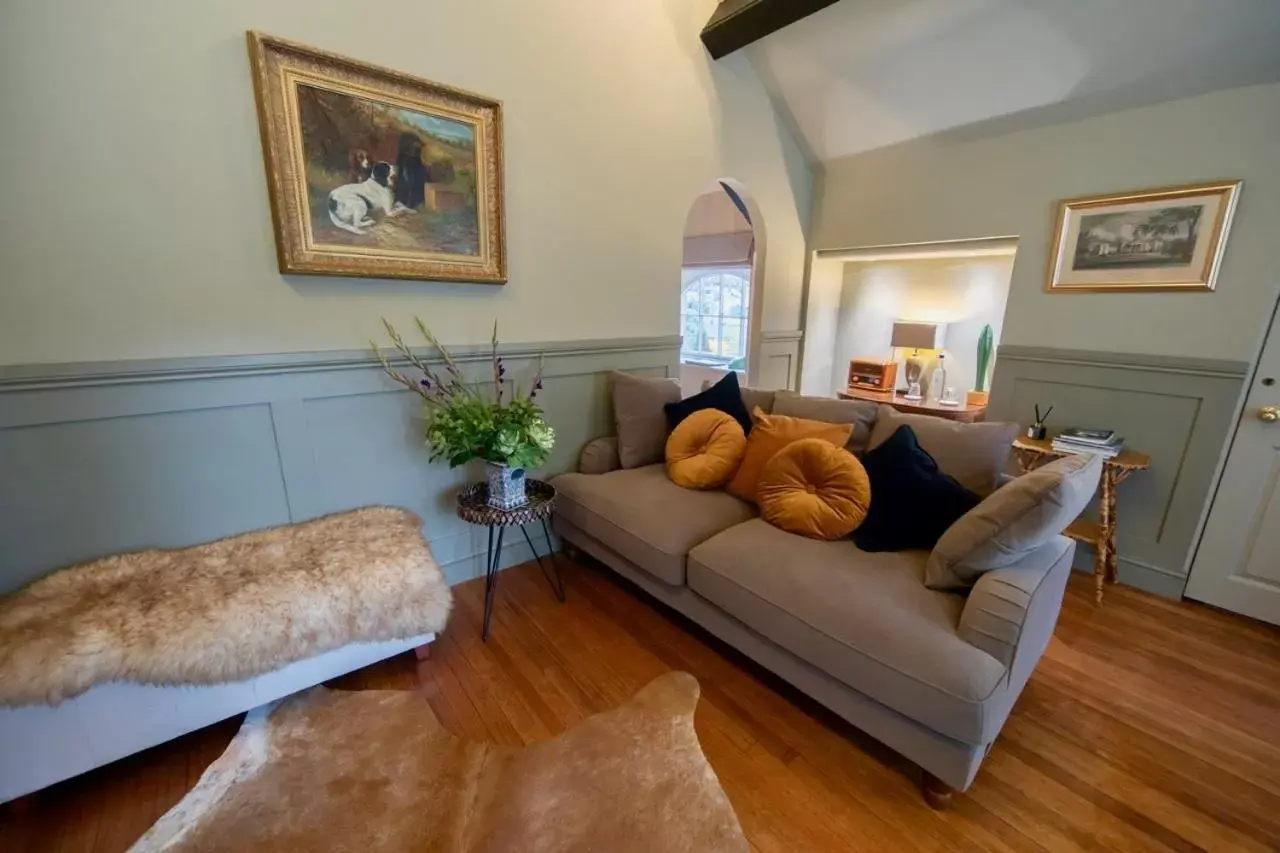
(872, 374)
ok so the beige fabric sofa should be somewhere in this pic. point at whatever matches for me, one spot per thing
(931, 674)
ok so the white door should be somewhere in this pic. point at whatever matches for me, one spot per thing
(1237, 566)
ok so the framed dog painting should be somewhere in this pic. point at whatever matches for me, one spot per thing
(376, 173)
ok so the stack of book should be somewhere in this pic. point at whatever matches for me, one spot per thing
(1102, 442)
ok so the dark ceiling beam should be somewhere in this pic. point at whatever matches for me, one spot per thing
(737, 23)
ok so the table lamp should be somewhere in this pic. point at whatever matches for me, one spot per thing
(915, 337)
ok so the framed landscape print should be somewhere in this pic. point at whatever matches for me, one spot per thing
(1167, 239)
(375, 173)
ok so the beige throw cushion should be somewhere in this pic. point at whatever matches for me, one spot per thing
(858, 413)
(1015, 520)
(974, 454)
(638, 417)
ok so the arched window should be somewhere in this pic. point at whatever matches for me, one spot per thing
(715, 309)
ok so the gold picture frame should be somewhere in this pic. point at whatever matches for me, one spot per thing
(376, 173)
(1170, 239)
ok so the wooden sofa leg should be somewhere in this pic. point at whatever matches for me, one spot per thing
(423, 652)
(936, 792)
(572, 551)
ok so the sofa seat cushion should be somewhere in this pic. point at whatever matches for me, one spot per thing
(865, 619)
(645, 517)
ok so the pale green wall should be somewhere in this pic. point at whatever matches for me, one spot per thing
(966, 185)
(103, 458)
(1132, 361)
(1179, 411)
(137, 223)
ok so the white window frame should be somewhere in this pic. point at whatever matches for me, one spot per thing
(696, 276)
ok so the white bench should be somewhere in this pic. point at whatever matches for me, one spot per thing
(41, 745)
(104, 659)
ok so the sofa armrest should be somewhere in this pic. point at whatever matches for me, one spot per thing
(600, 456)
(1011, 612)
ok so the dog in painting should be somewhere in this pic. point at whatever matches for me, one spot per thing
(359, 166)
(351, 204)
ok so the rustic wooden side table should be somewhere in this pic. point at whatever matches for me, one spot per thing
(1101, 534)
(473, 508)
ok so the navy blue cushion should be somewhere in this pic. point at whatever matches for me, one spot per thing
(724, 395)
(912, 502)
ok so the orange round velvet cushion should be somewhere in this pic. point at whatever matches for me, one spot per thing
(816, 489)
(705, 450)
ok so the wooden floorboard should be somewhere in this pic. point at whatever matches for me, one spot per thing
(1149, 725)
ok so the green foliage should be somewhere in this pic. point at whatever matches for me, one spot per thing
(463, 423)
(986, 343)
(472, 428)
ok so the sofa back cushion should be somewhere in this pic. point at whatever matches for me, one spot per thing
(974, 454)
(770, 434)
(1013, 521)
(752, 398)
(638, 416)
(860, 414)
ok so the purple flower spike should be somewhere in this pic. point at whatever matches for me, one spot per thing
(425, 383)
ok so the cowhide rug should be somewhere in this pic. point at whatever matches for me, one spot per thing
(375, 771)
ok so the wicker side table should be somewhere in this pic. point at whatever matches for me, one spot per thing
(1032, 453)
(473, 508)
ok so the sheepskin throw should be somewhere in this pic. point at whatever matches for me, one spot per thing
(374, 771)
(223, 611)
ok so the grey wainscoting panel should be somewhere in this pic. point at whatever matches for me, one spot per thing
(102, 458)
(76, 489)
(779, 359)
(1177, 410)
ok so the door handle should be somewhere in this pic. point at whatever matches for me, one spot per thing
(1269, 414)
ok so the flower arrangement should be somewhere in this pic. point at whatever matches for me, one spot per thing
(465, 422)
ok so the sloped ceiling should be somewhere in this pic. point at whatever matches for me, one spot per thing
(863, 74)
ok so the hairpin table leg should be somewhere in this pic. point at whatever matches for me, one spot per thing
(491, 577)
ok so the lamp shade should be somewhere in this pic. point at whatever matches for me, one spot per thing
(918, 335)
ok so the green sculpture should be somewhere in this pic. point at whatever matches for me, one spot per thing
(986, 342)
